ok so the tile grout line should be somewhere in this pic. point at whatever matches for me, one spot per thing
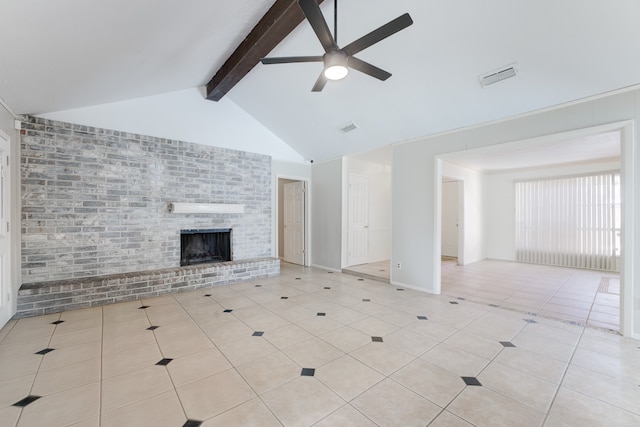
(564, 374)
(225, 358)
(35, 377)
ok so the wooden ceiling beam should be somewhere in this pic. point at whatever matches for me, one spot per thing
(273, 27)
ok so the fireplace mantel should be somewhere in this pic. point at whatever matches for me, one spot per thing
(195, 208)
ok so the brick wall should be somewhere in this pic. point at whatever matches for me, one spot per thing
(94, 201)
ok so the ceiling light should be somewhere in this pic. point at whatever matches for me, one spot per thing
(336, 72)
(335, 65)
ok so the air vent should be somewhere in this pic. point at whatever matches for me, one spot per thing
(498, 75)
(348, 127)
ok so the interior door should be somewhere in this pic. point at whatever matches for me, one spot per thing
(294, 201)
(450, 219)
(5, 244)
(358, 233)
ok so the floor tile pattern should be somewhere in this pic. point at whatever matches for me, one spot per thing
(334, 351)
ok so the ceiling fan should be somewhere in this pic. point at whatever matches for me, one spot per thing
(337, 61)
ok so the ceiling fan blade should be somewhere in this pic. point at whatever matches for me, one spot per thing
(381, 33)
(365, 67)
(322, 80)
(290, 59)
(312, 11)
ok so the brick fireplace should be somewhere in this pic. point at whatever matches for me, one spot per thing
(94, 205)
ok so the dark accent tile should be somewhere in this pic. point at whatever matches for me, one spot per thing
(399, 289)
(494, 305)
(360, 280)
(321, 314)
(284, 297)
(422, 317)
(308, 372)
(27, 400)
(507, 344)
(330, 272)
(376, 339)
(382, 270)
(192, 423)
(258, 286)
(298, 278)
(529, 320)
(152, 328)
(471, 381)
(461, 298)
(57, 322)
(228, 310)
(366, 300)
(327, 287)
(530, 313)
(164, 362)
(207, 295)
(45, 351)
(454, 302)
(142, 307)
(257, 334)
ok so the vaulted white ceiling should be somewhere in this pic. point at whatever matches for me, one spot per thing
(69, 54)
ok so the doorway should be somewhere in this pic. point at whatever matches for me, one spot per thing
(558, 145)
(451, 206)
(5, 235)
(358, 212)
(292, 221)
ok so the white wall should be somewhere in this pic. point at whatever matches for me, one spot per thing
(499, 202)
(186, 116)
(8, 132)
(379, 208)
(326, 211)
(472, 226)
(416, 171)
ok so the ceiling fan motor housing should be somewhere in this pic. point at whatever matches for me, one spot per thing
(336, 64)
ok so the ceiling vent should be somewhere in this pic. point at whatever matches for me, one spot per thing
(348, 127)
(498, 75)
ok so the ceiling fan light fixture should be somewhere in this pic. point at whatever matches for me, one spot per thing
(336, 72)
(335, 65)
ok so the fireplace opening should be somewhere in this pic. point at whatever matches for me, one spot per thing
(205, 246)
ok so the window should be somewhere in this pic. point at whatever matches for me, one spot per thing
(570, 221)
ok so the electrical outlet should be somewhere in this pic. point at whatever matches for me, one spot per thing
(398, 265)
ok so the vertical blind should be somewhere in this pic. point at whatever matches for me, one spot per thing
(569, 221)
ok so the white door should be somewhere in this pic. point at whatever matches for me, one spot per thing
(358, 233)
(450, 219)
(5, 242)
(294, 200)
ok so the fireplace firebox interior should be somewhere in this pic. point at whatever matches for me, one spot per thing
(205, 246)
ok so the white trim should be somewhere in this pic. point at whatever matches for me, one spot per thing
(322, 267)
(413, 288)
(437, 224)
(628, 254)
(9, 110)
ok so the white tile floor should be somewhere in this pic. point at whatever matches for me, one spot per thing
(582, 296)
(378, 356)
